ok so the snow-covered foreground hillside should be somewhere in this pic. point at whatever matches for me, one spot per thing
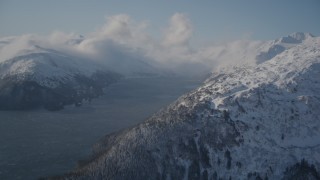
(251, 122)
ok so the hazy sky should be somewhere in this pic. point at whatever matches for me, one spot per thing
(211, 20)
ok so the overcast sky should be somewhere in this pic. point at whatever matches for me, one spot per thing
(211, 20)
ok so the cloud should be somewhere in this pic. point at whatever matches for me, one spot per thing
(121, 33)
(28, 43)
(13, 46)
(118, 29)
(61, 38)
(228, 54)
(179, 31)
(123, 42)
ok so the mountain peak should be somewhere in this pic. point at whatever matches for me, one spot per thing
(296, 37)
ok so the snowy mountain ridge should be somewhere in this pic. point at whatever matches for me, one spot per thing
(297, 37)
(252, 122)
(46, 68)
(40, 77)
(254, 52)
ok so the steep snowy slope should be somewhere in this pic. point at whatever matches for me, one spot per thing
(259, 122)
(39, 77)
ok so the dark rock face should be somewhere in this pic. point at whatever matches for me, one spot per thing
(301, 170)
(24, 95)
(19, 96)
(295, 38)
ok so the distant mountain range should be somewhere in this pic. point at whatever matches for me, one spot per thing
(247, 122)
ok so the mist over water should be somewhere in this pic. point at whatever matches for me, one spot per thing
(40, 143)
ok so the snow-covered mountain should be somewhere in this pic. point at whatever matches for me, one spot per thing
(38, 77)
(251, 122)
(271, 49)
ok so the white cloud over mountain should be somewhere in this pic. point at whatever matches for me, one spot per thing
(121, 37)
(179, 31)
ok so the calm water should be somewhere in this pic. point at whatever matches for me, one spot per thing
(39, 143)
